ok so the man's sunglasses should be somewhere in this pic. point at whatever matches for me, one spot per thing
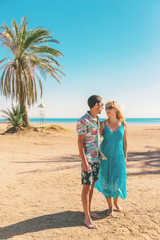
(101, 105)
(109, 108)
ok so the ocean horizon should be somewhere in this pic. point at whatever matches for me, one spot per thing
(129, 121)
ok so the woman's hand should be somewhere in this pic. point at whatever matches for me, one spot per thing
(126, 161)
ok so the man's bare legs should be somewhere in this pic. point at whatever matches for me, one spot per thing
(110, 210)
(87, 192)
(92, 214)
(118, 207)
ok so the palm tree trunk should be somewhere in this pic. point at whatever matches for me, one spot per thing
(25, 117)
(23, 104)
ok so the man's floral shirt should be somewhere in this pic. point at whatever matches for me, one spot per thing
(89, 127)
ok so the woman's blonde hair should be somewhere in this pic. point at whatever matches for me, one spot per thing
(114, 104)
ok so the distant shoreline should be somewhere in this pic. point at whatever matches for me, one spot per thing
(130, 121)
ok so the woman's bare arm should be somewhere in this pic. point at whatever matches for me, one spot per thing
(125, 141)
(101, 127)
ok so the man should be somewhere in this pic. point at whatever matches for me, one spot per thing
(88, 129)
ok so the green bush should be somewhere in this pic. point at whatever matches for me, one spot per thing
(14, 117)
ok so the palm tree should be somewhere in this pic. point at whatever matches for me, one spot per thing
(14, 118)
(31, 58)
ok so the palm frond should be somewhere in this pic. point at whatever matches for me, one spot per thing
(3, 60)
(23, 22)
(46, 49)
(15, 29)
(14, 116)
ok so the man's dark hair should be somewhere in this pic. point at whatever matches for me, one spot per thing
(93, 100)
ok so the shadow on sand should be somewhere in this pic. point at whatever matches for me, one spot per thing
(41, 223)
(70, 158)
(65, 159)
(150, 162)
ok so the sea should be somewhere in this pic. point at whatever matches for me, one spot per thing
(129, 121)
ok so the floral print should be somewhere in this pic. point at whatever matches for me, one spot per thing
(89, 127)
(92, 175)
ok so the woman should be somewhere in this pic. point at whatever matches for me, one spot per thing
(112, 174)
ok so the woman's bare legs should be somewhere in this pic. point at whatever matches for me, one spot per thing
(117, 206)
(110, 210)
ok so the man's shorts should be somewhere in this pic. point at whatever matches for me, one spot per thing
(88, 177)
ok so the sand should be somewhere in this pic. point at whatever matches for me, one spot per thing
(40, 188)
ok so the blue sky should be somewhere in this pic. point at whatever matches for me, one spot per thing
(111, 48)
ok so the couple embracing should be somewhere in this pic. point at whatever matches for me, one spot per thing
(103, 164)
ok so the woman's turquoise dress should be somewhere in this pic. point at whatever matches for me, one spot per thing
(112, 172)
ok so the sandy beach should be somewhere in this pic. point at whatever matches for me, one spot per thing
(40, 188)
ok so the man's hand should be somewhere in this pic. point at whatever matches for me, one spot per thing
(86, 167)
